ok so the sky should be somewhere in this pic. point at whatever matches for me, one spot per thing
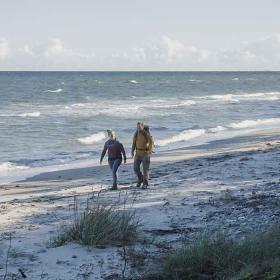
(123, 35)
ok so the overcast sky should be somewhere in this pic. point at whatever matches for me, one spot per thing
(139, 35)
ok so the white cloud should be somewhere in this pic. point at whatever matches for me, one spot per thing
(53, 48)
(165, 53)
(5, 50)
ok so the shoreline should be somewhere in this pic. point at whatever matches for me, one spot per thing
(238, 143)
(230, 186)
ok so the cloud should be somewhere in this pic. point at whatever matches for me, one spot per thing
(5, 50)
(53, 48)
(169, 51)
(164, 53)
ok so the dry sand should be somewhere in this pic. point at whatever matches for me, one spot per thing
(230, 185)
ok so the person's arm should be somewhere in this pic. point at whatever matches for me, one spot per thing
(133, 144)
(123, 152)
(103, 152)
(150, 143)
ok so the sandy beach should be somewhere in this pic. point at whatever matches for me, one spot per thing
(229, 185)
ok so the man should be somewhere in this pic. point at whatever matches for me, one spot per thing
(143, 144)
(116, 153)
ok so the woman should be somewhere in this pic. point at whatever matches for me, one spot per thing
(116, 153)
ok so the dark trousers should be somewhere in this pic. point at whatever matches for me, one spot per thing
(145, 161)
(114, 165)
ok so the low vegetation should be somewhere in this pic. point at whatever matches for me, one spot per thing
(99, 225)
(215, 257)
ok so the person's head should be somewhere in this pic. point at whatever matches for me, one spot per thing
(111, 134)
(140, 126)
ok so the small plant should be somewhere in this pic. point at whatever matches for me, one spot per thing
(99, 225)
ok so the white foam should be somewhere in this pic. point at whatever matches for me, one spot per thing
(195, 81)
(187, 103)
(94, 138)
(32, 115)
(9, 166)
(183, 136)
(78, 105)
(133, 81)
(55, 90)
(269, 96)
(24, 115)
(216, 129)
(225, 97)
(254, 123)
(235, 79)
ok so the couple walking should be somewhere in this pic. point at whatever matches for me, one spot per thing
(142, 143)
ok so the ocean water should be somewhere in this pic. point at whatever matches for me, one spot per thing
(50, 119)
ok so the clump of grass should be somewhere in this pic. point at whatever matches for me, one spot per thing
(216, 257)
(99, 225)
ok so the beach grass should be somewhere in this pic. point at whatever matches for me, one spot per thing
(216, 257)
(99, 225)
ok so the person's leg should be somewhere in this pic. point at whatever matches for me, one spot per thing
(115, 168)
(146, 168)
(111, 164)
(137, 170)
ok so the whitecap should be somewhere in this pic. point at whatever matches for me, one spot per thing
(94, 138)
(181, 137)
(32, 115)
(55, 90)
(133, 81)
(216, 129)
(254, 123)
(9, 166)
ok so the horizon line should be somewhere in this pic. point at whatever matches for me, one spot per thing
(142, 71)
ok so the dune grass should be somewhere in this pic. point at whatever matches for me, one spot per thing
(99, 225)
(216, 257)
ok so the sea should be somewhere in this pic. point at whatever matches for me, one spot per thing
(50, 120)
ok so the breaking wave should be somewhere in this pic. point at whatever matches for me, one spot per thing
(55, 90)
(24, 115)
(183, 136)
(253, 123)
(94, 138)
(266, 96)
(194, 133)
(9, 166)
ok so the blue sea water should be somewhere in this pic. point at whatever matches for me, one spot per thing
(55, 118)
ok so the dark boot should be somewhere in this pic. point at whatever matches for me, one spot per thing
(145, 184)
(138, 185)
(114, 187)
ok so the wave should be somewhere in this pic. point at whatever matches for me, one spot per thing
(225, 97)
(195, 81)
(253, 123)
(216, 129)
(183, 136)
(9, 166)
(133, 81)
(269, 96)
(194, 133)
(55, 90)
(32, 115)
(174, 105)
(94, 138)
(24, 115)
